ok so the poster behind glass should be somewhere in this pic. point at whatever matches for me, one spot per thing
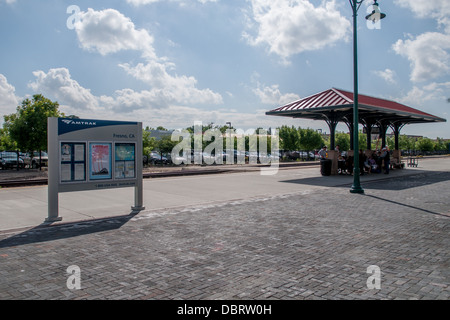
(125, 161)
(100, 164)
(73, 162)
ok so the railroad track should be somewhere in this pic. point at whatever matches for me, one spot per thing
(22, 183)
(44, 181)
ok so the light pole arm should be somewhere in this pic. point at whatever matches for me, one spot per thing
(355, 5)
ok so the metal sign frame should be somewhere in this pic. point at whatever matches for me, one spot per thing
(93, 155)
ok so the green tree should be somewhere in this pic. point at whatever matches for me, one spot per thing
(362, 141)
(289, 138)
(310, 139)
(425, 144)
(6, 143)
(165, 145)
(406, 143)
(440, 144)
(148, 142)
(343, 141)
(28, 126)
(390, 141)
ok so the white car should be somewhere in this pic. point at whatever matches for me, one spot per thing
(39, 161)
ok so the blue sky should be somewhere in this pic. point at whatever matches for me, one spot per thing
(173, 62)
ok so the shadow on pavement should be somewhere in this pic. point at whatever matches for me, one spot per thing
(46, 232)
(379, 181)
(412, 181)
(407, 205)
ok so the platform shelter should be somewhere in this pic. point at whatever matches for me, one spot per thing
(375, 114)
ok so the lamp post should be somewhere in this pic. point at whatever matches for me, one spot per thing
(375, 16)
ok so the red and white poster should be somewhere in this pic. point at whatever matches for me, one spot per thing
(100, 161)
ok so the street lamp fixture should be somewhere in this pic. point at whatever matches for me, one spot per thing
(375, 16)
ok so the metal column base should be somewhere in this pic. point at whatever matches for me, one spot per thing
(53, 219)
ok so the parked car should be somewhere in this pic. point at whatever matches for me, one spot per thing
(157, 158)
(26, 159)
(10, 160)
(37, 160)
(145, 160)
(313, 155)
(179, 159)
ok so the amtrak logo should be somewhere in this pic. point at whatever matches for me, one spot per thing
(67, 125)
(79, 122)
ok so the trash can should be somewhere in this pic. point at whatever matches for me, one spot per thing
(325, 167)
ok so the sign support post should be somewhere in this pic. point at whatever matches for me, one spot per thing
(53, 197)
(139, 188)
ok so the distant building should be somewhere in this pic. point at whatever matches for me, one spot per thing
(159, 134)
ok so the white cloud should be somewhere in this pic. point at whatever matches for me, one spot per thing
(428, 53)
(8, 99)
(272, 95)
(127, 104)
(145, 2)
(418, 96)
(290, 27)
(387, 75)
(58, 84)
(436, 9)
(141, 2)
(172, 89)
(109, 31)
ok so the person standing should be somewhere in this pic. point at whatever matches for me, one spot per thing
(323, 153)
(387, 160)
(362, 159)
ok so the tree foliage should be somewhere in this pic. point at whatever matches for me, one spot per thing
(289, 138)
(310, 139)
(343, 141)
(6, 143)
(148, 142)
(425, 144)
(28, 126)
(165, 144)
(292, 138)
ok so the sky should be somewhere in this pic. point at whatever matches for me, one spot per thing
(172, 63)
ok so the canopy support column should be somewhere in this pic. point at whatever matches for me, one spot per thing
(396, 127)
(332, 125)
(350, 129)
(383, 129)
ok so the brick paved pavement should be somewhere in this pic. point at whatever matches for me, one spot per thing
(313, 244)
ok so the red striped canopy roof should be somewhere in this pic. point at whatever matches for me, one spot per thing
(337, 101)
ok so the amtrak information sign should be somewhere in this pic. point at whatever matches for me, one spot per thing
(93, 155)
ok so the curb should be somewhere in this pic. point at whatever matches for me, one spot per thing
(154, 175)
